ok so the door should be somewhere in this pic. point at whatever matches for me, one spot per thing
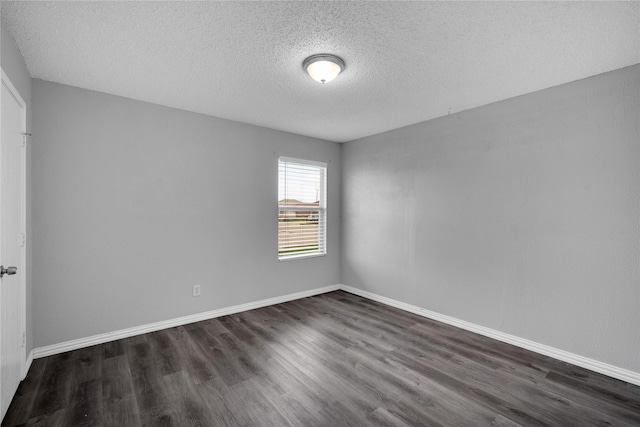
(12, 241)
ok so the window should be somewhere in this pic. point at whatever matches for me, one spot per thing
(302, 206)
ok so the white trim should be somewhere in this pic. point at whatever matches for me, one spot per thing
(301, 255)
(302, 161)
(15, 93)
(6, 81)
(151, 327)
(27, 365)
(565, 356)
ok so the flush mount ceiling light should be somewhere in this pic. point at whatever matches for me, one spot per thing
(323, 67)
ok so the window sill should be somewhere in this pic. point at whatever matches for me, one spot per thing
(300, 256)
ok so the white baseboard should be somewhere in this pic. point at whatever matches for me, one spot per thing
(156, 326)
(584, 362)
(27, 364)
(565, 356)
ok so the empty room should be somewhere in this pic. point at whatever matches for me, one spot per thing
(319, 213)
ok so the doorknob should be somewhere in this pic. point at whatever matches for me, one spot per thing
(8, 270)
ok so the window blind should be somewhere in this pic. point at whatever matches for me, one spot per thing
(302, 208)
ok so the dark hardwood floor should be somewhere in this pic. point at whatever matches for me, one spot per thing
(331, 360)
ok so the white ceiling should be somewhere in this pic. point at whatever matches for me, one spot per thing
(406, 61)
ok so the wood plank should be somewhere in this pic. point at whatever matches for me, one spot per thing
(147, 384)
(186, 402)
(21, 406)
(192, 359)
(164, 352)
(383, 418)
(56, 418)
(85, 404)
(249, 405)
(213, 393)
(224, 362)
(112, 349)
(505, 395)
(119, 405)
(55, 384)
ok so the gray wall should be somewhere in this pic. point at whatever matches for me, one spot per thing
(14, 66)
(521, 216)
(134, 203)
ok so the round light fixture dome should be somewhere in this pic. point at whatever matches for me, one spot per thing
(323, 67)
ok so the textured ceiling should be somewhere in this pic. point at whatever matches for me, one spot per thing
(406, 61)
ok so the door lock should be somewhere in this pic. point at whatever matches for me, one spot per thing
(9, 270)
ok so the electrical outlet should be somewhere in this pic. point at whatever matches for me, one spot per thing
(196, 290)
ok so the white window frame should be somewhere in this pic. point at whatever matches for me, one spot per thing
(321, 209)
